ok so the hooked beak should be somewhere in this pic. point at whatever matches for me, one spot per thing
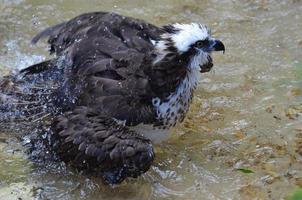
(217, 45)
(214, 45)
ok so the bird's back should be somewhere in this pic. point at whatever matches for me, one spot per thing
(101, 62)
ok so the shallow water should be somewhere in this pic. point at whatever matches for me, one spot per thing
(246, 112)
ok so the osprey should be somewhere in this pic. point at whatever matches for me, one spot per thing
(115, 85)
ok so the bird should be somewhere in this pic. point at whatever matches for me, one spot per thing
(113, 87)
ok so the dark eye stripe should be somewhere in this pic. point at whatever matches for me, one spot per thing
(201, 43)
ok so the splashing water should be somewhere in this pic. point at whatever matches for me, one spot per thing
(246, 113)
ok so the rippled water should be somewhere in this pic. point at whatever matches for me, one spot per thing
(246, 113)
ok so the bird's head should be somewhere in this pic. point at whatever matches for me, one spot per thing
(189, 44)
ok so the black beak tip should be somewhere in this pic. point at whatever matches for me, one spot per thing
(219, 46)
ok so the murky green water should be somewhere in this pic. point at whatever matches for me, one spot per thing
(246, 114)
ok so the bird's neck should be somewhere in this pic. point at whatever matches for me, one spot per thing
(173, 108)
(166, 74)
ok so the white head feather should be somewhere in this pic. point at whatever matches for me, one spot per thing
(184, 36)
(188, 34)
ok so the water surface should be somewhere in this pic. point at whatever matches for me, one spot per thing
(246, 112)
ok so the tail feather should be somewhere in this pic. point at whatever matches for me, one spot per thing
(24, 101)
(47, 32)
(30, 95)
(38, 68)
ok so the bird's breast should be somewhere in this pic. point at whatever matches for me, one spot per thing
(173, 109)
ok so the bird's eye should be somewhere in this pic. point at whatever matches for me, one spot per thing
(201, 43)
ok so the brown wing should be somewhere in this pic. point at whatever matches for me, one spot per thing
(134, 33)
(92, 142)
(105, 57)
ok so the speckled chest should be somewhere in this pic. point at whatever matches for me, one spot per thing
(173, 109)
